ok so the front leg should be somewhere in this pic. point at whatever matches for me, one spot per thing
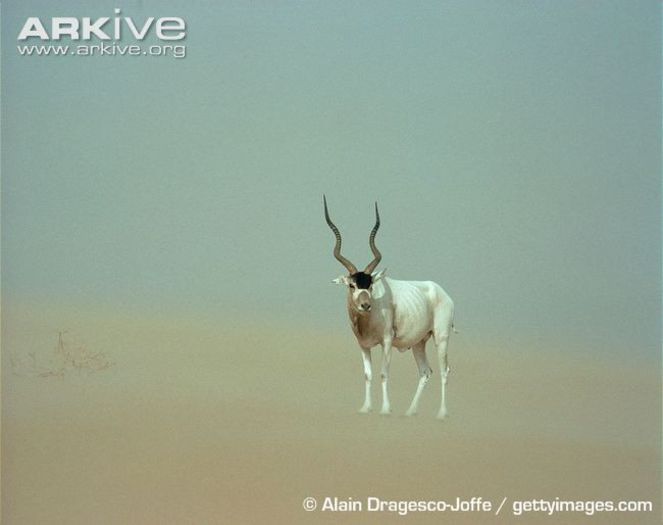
(368, 374)
(425, 371)
(386, 361)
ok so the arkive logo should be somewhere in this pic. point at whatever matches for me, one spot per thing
(168, 28)
(105, 36)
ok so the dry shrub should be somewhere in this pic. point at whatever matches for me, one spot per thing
(65, 357)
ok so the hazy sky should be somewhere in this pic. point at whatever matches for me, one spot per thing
(514, 148)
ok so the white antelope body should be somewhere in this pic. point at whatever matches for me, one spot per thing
(395, 314)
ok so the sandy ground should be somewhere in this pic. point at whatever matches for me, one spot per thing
(200, 423)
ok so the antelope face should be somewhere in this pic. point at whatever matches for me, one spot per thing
(360, 289)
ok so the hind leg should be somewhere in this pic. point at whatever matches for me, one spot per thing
(442, 342)
(425, 371)
(443, 326)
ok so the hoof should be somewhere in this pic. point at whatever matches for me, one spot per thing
(384, 412)
(411, 413)
(364, 410)
(442, 414)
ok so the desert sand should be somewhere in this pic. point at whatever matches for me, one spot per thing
(208, 421)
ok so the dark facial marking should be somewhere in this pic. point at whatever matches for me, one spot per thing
(362, 280)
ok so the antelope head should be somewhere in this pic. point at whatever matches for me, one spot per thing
(359, 283)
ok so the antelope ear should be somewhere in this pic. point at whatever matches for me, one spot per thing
(341, 279)
(378, 275)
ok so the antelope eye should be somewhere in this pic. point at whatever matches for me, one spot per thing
(352, 286)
